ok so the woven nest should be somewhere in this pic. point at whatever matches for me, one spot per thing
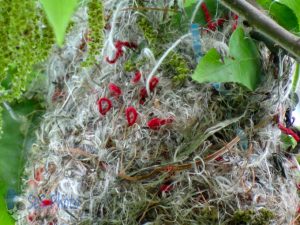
(216, 158)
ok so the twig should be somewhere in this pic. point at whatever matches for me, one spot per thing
(266, 26)
(166, 9)
(177, 168)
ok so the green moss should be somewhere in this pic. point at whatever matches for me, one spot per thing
(263, 217)
(209, 215)
(129, 65)
(25, 40)
(250, 217)
(242, 217)
(96, 26)
(181, 70)
(150, 35)
(174, 64)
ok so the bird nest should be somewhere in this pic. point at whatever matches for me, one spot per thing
(124, 144)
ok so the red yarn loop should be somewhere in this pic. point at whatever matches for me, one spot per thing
(119, 52)
(143, 95)
(104, 105)
(114, 89)
(137, 77)
(143, 91)
(288, 132)
(131, 115)
(208, 18)
(46, 202)
(153, 83)
(157, 123)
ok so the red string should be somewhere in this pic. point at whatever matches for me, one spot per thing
(101, 103)
(213, 25)
(235, 24)
(156, 123)
(114, 89)
(46, 202)
(143, 95)
(166, 188)
(153, 83)
(207, 15)
(288, 132)
(119, 46)
(169, 169)
(31, 217)
(137, 77)
(131, 115)
(298, 209)
(220, 21)
(38, 174)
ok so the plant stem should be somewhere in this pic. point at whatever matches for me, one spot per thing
(265, 25)
(296, 78)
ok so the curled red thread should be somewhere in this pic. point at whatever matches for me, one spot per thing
(143, 91)
(153, 83)
(131, 115)
(169, 169)
(212, 26)
(137, 77)
(156, 123)
(118, 54)
(31, 217)
(235, 18)
(38, 174)
(219, 159)
(119, 51)
(143, 95)
(120, 44)
(206, 12)
(220, 21)
(115, 89)
(46, 202)
(104, 105)
(166, 188)
(288, 132)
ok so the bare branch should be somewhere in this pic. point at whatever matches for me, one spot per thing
(265, 25)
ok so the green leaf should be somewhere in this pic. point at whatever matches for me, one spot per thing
(281, 13)
(241, 66)
(293, 5)
(59, 13)
(288, 141)
(5, 217)
(18, 137)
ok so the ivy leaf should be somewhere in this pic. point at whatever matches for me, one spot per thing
(241, 66)
(293, 5)
(282, 13)
(59, 13)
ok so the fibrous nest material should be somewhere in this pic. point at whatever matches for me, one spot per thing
(208, 156)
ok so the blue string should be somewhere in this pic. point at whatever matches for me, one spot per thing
(194, 28)
(10, 198)
(243, 137)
